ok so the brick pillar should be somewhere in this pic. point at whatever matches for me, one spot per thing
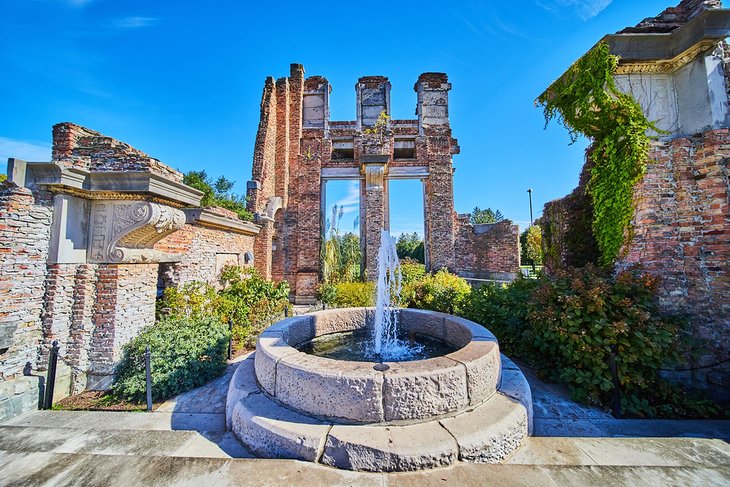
(125, 304)
(262, 247)
(374, 202)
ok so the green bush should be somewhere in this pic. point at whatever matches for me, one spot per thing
(354, 295)
(503, 309)
(566, 326)
(442, 291)
(193, 300)
(250, 303)
(326, 293)
(185, 353)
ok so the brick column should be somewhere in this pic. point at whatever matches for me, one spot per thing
(375, 206)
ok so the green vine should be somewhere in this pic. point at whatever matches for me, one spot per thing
(585, 100)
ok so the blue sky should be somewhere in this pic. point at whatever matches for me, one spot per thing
(182, 80)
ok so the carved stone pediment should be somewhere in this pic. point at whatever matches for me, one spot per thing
(125, 231)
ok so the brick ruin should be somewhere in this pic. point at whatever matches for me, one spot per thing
(85, 239)
(681, 227)
(88, 239)
(298, 149)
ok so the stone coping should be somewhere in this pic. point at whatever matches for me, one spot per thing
(209, 218)
(355, 392)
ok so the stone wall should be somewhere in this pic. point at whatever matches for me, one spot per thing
(486, 251)
(24, 239)
(204, 251)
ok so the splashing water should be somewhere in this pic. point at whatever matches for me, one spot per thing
(386, 344)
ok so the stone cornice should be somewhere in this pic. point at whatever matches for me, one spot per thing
(107, 185)
(668, 52)
(208, 218)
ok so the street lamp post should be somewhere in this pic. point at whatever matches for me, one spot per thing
(529, 192)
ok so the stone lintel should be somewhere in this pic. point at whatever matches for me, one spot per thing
(208, 218)
(668, 52)
(394, 172)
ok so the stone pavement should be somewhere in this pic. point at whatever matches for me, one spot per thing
(184, 442)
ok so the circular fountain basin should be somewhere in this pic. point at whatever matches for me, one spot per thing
(470, 404)
(363, 392)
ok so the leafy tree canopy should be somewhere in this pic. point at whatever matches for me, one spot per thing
(485, 216)
(218, 193)
(410, 245)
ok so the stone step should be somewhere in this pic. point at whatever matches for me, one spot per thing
(62, 469)
(130, 442)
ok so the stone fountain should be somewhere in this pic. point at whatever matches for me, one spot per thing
(374, 413)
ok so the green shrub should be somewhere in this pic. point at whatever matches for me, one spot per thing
(326, 293)
(503, 309)
(566, 326)
(250, 303)
(442, 291)
(411, 270)
(354, 295)
(193, 300)
(185, 353)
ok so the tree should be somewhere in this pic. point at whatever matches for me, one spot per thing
(485, 216)
(218, 193)
(410, 245)
(531, 246)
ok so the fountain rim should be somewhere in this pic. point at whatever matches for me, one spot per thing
(281, 369)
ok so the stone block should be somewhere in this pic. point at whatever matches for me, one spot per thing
(424, 389)
(242, 384)
(513, 384)
(481, 359)
(294, 330)
(460, 331)
(270, 348)
(339, 320)
(422, 321)
(350, 391)
(272, 431)
(491, 432)
(389, 448)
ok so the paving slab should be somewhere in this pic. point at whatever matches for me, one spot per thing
(636, 476)
(550, 451)
(670, 452)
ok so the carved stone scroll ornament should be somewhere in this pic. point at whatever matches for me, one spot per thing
(374, 176)
(124, 232)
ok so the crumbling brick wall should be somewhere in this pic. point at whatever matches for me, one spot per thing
(76, 146)
(487, 251)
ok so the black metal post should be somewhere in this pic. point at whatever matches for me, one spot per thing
(529, 192)
(230, 340)
(286, 311)
(148, 377)
(51, 375)
(616, 384)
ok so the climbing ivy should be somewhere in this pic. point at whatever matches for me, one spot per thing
(585, 100)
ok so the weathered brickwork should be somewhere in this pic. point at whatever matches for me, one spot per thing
(76, 146)
(203, 250)
(682, 234)
(310, 149)
(125, 296)
(486, 251)
(24, 237)
(672, 17)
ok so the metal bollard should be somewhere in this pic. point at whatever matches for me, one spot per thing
(148, 377)
(616, 384)
(230, 340)
(286, 312)
(51, 375)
